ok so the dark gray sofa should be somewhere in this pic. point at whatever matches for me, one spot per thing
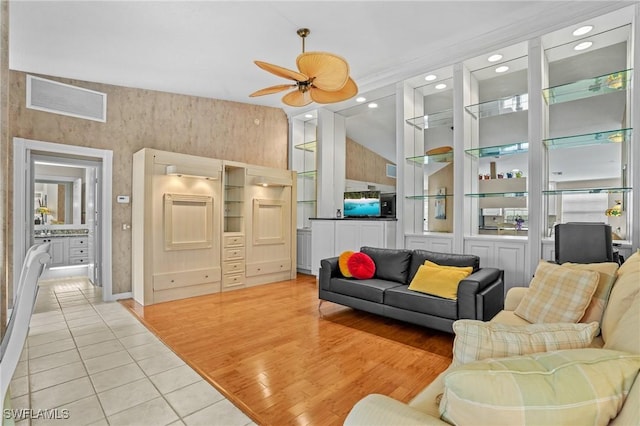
(480, 295)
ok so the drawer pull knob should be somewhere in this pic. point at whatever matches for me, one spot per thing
(206, 276)
(171, 280)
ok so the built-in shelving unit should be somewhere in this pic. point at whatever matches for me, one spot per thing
(506, 105)
(589, 87)
(234, 178)
(435, 119)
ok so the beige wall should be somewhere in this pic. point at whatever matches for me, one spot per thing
(138, 119)
(4, 157)
(365, 165)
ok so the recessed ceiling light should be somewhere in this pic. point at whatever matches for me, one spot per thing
(308, 116)
(503, 68)
(440, 86)
(583, 30)
(582, 46)
(373, 105)
(430, 77)
(361, 99)
(494, 58)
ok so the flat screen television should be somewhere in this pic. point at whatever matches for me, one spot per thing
(362, 204)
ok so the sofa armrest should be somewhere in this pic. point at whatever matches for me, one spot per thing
(485, 278)
(380, 410)
(329, 268)
(513, 298)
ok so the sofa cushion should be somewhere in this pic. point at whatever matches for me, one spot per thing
(606, 277)
(437, 280)
(477, 340)
(361, 266)
(391, 264)
(557, 294)
(446, 259)
(342, 263)
(569, 387)
(372, 289)
(403, 298)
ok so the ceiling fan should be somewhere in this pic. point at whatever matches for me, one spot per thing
(323, 78)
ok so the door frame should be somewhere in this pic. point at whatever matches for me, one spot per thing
(22, 149)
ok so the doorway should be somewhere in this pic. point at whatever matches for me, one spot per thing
(79, 180)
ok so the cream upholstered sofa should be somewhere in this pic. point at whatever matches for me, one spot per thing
(620, 331)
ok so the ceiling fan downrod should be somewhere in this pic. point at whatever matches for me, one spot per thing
(303, 33)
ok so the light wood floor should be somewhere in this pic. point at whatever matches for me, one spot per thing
(274, 355)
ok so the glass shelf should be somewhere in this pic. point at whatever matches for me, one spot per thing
(497, 194)
(493, 151)
(447, 157)
(308, 174)
(589, 87)
(233, 186)
(233, 201)
(429, 121)
(307, 146)
(500, 106)
(424, 197)
(599, 138)
(588, 191)
(307, 201)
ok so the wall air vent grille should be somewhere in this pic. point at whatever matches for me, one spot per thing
(58, 98)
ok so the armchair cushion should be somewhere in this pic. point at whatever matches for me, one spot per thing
(574, 386)
(606, 277)
(478, 340)
(557, 294)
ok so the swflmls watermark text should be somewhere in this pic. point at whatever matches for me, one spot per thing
(30, 413)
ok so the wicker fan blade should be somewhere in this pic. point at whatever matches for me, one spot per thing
(328, 71)
(325, 97)
(272, 89)
(297, 98)
(281, 71)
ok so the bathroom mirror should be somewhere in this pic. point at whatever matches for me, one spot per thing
(59, 196)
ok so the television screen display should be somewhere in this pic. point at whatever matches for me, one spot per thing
(362, 204)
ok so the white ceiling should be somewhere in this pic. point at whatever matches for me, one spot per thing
(207, 48)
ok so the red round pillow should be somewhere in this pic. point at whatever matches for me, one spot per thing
(361, 266)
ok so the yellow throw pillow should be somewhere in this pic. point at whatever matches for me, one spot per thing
(342, 263)
(438, 280)
(478, 340)
(567, 387)
(606, 277)
(557, 294)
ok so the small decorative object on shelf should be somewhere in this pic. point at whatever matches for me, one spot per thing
(615, 210)
(519, 222)
(338, 213)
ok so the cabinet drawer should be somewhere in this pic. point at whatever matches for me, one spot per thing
(78, 260)
(233, 240)
(81, 252)
(232, 281)
(185, 278)
(78, 242)
(233, 267)
(270, 267)
(233, 253)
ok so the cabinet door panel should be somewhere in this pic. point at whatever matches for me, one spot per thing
(347, 237)
(511, 258)
(371, 234)
(482, 249)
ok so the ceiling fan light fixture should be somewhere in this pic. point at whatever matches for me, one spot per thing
(323, 78)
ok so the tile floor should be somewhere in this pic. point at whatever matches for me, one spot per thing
(96, 363)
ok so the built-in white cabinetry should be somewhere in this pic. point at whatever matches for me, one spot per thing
(442, 243)
(202, 225)
(507, 253)
(303, 247)
(333, 236)
(66, 250)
